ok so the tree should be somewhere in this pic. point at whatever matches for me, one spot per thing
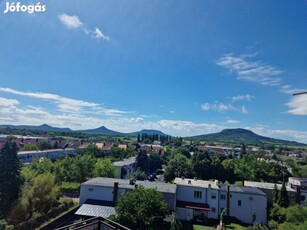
(37, 196)
(177, 167)
(229, 168)
(43, 145)
(83, 167)
(141, 209)
(29, 147)
(296, 214)
(104, 168)
(283, 197)
(275, 195)
(139, 175)
(42, 165)
(9, 176)
(175, 224)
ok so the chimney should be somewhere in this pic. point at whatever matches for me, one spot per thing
(115, 192)
(228, 200)
(298, 194)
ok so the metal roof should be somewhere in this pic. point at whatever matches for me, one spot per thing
(95, 210)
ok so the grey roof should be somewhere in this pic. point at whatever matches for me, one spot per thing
(122, 183)
(265, 185)
(242, 189)
(95, 210)
(126, 161)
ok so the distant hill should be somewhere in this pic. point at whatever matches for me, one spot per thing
(239, 136)
(103, 131)
(43, 127)
(148, 131)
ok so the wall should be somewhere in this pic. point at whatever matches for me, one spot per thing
(250, 205)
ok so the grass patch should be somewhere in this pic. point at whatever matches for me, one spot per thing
(201, 227)
(70, 185)
(235, 226)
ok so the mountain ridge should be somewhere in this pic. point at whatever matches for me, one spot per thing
(229, 136)
(240, 136)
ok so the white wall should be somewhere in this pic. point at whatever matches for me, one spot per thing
(250, 204)
(186, 193)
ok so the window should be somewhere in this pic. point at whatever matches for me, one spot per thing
(302, 198)
(239, 203)
(212, 209)
(197, 194)
(223, 197)
(213, 196)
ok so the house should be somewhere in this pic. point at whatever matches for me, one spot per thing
(268, 188)
(299, 184)
(106, 147)
(193, 200)
(124, 168)
(200, 200)
(296, 189)
(52, 154)
(123, 146)
(103, 193)
(153, 149)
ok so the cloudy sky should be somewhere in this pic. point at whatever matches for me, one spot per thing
(183, 67)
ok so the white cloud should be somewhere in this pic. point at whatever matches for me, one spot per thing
(288, 89)
(293, 135)
(12, 113)
(232, 122)
(206, 106)
(298, 105)
(73, 22)
(99, 35)
(69, 105)
(254, 71)
(4, 102)
(246, 97)
(243, 109)
(221, 107)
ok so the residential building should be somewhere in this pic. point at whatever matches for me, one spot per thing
(300, 186)
(192, 199)
(103, 193)
(106, 147)
(268, 188)
(124, 168)
(201, 200)
(52, 154)
(296, 189)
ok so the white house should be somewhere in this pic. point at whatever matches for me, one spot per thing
(299, 184)
(103, 193)
(125, 167)
(192, 199)
(200, 200)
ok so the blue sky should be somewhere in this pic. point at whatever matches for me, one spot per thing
(183, 67)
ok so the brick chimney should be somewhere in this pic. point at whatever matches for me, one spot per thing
(115, 192)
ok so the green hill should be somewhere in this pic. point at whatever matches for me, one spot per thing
(240, 136)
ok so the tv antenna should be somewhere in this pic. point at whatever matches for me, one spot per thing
(299, 93)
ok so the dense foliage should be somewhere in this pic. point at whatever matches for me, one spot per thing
(9, 176)
(141, 209)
